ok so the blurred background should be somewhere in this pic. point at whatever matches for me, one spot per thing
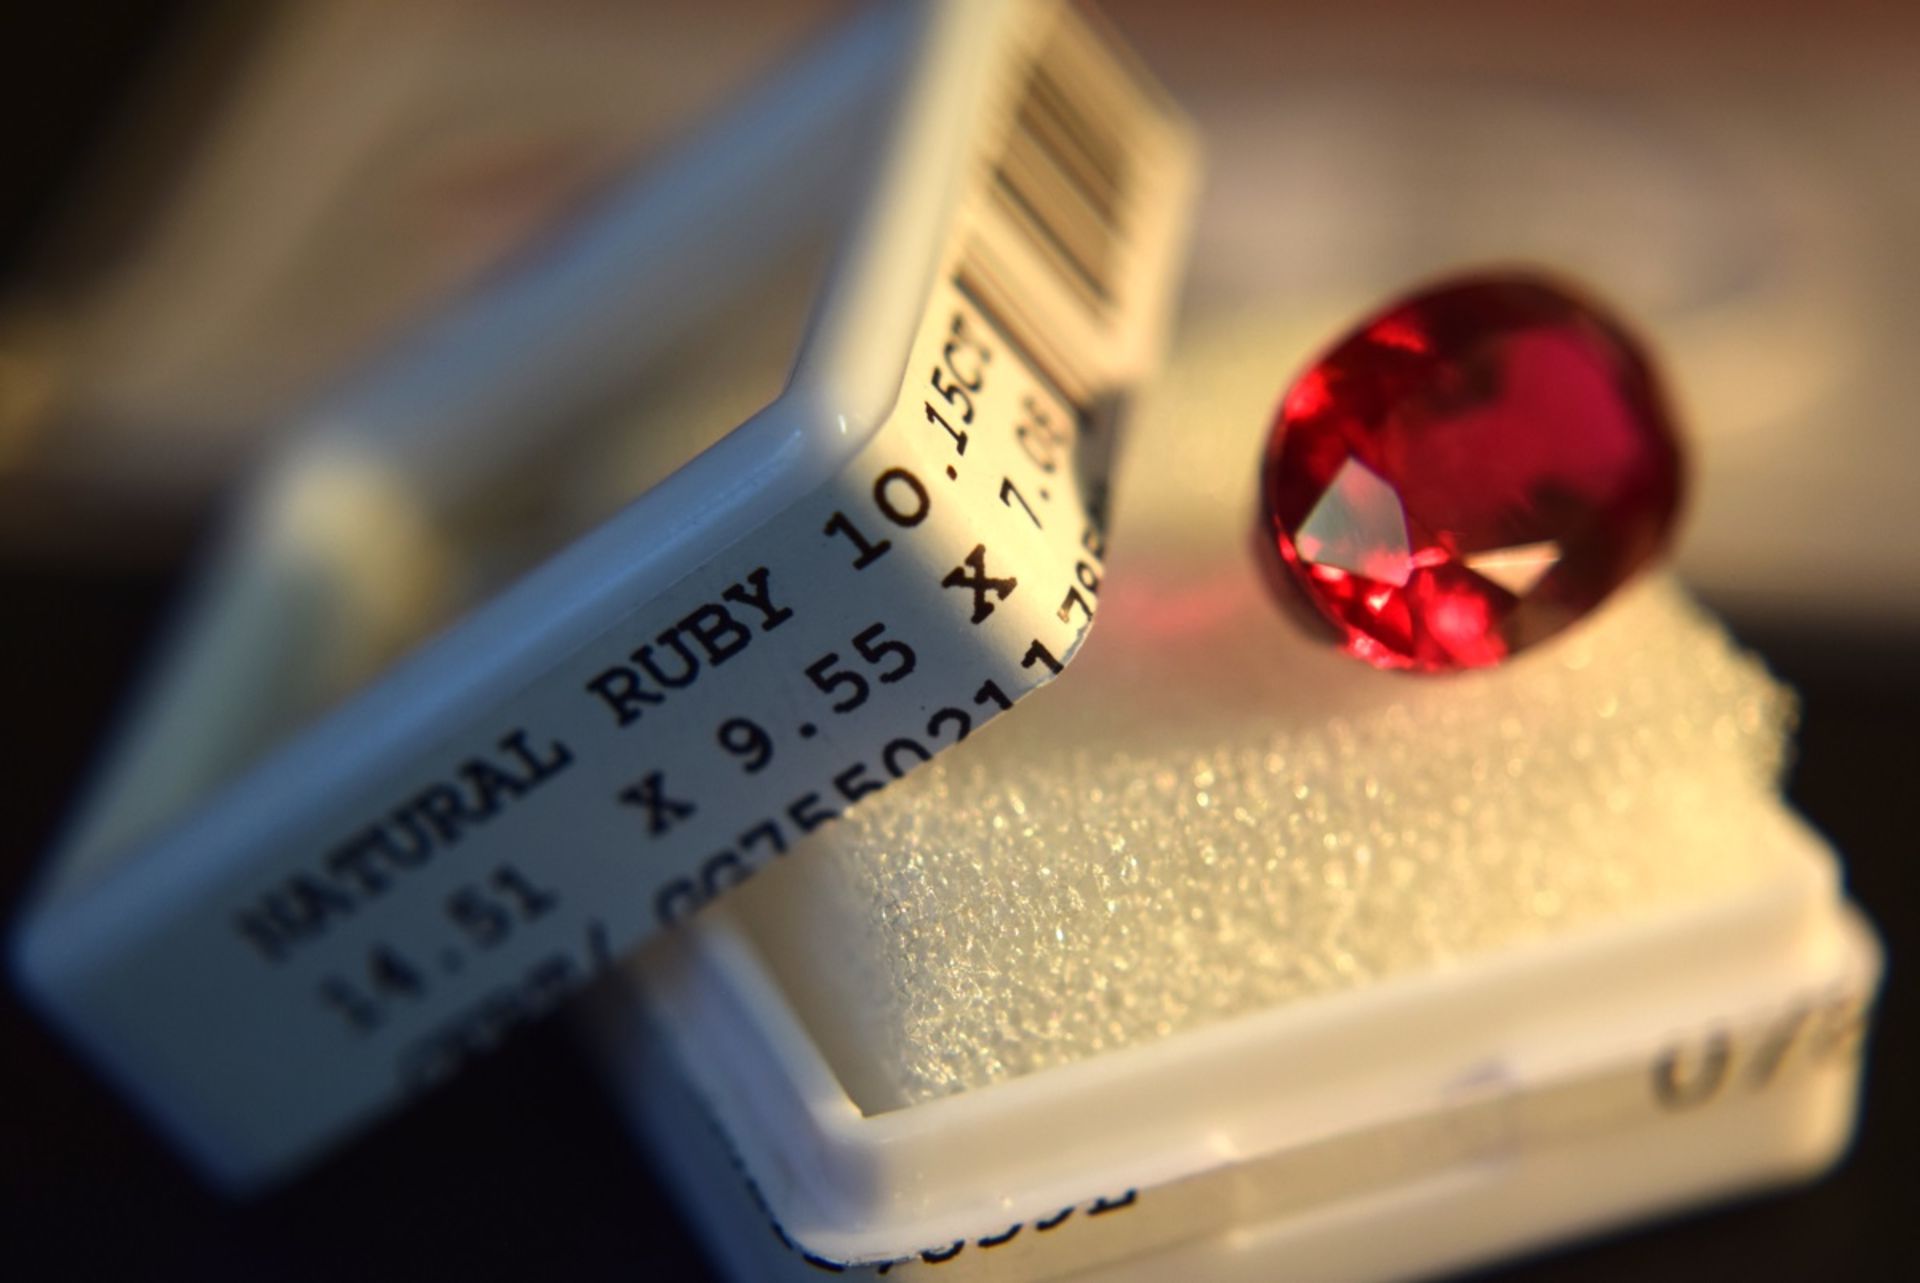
(213, 211)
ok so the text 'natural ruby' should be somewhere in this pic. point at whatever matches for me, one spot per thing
(1469, 472)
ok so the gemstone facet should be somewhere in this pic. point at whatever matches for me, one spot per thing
(1469, 472)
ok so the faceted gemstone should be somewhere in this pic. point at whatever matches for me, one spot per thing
(1469, 472)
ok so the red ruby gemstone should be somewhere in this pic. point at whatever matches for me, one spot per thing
(1469, 472)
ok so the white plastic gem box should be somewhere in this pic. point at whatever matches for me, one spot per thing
(1231, 958)
(327, 863)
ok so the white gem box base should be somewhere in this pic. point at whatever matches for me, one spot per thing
(1438, 1117)
(876, 1058)
(1438, 1123)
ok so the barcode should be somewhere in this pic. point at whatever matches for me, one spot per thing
(982, 286)
(1065, 173)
